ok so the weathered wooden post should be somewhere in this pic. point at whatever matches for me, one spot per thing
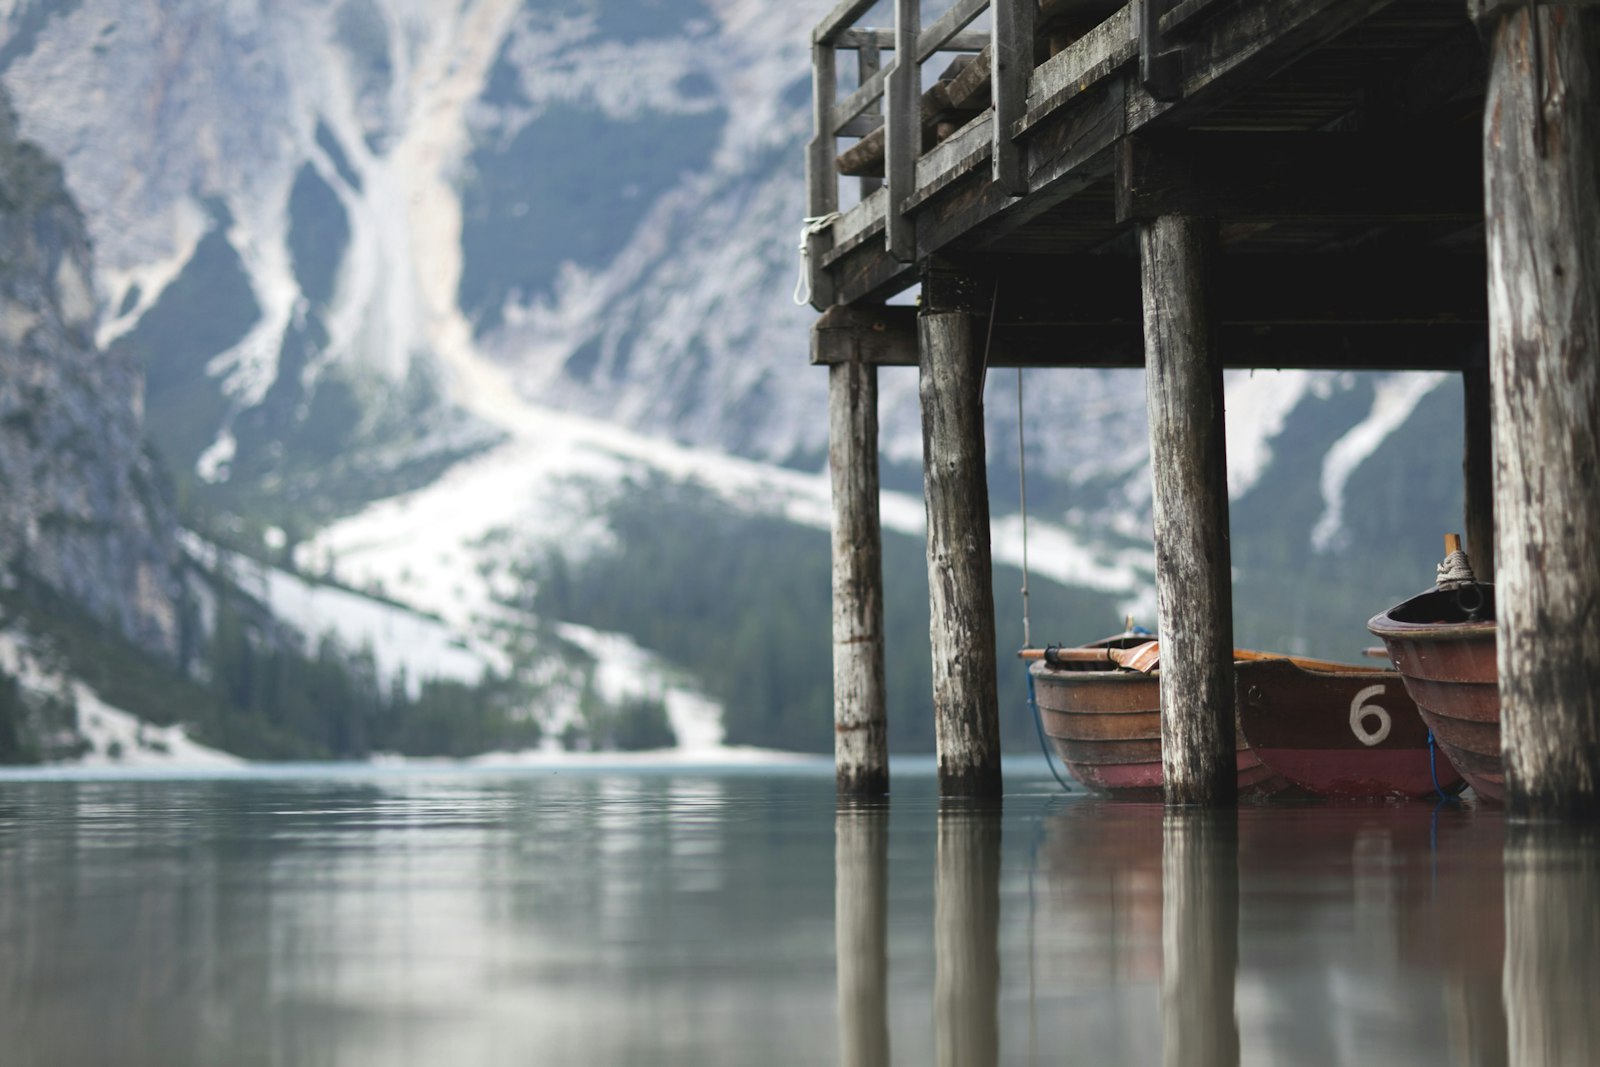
(841, 340)
(1477, 467)
(1542, 206)
(860, 719)
(1194, 590)
(960, 584)
(966, 930)
(861, 932)
(1199, 938)
(1552, 881)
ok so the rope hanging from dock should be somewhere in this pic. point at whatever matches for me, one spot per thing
(1022, 483)
(810, 226)
(1027, 621)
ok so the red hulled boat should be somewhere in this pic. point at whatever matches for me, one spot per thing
(1348, 732)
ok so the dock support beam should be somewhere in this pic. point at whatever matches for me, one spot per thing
(1188, 463)
(960, 570)
(860, 717)
(1542, 206)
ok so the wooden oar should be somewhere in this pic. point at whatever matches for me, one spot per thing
(1133, 659)
(1146, 657)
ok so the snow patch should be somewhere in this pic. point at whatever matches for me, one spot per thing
(1394, 399)
(625, 670)
(1257, 404)
(403, 642)
(116, 737)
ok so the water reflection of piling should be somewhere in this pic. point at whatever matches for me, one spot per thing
(966, 928)
(1199, 938)
(1552, 968)
(861, 905)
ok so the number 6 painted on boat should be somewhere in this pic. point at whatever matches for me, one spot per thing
(1359, 710)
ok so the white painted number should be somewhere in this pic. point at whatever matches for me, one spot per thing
(1360, 709)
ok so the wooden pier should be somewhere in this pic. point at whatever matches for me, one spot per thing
(1190, 185)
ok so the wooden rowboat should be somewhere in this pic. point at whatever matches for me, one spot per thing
(1447, 658)
(1106, 726)
(1329, 729)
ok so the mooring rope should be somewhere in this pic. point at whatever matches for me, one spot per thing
(1022, 488)
(809, 227)
(1027, 620)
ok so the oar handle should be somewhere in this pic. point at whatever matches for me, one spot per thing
(1068, 655)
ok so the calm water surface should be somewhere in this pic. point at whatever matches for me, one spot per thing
(463, 917)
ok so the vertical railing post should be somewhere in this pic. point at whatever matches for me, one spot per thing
(1010, 69)
(822, 168)
(869, 58)
(1160, 70)
(903, 129)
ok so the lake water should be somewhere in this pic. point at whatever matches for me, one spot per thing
(372, 916)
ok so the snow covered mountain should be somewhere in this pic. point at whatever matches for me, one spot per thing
(399, 271)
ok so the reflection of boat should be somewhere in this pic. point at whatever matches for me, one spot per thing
(1443, 643)
(1330, 729)
(1349, 732)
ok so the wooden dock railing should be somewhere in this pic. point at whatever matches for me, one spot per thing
(897, 128)
(1035, 57)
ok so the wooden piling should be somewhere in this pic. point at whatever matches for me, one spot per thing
(966, 930)
(861, 932)
(1542, 211)
(1194, 591)
(960, 583)
(860, 718)
(1199, 938)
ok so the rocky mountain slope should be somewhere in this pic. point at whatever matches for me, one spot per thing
(81, 506)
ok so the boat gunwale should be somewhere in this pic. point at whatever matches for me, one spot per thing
(1386, 626)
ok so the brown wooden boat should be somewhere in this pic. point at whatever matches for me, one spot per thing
(1105, 724)
(1443, 644)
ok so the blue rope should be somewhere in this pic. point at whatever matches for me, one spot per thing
(1038, 726)
(1433, 769)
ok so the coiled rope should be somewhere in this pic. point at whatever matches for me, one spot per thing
(810, 226)
(1455, 571)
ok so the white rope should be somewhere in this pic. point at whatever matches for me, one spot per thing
(809, 227)
(1455, 571)
(1022, 480)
